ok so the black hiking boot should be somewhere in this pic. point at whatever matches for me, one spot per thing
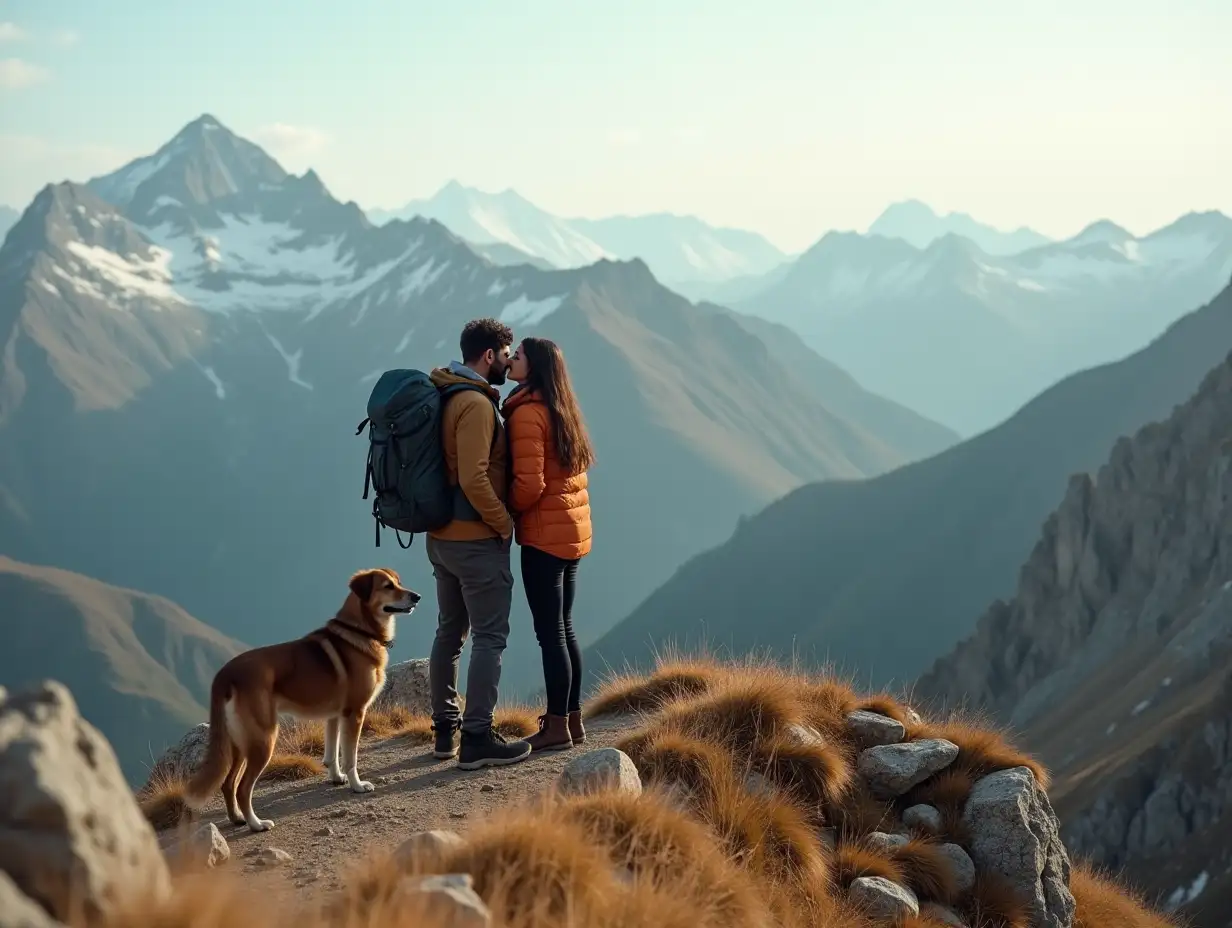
(446, 745)
(489, 749)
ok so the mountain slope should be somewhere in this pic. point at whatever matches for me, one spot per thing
(1112, 656)
(8, 217)
(887, 574)
(966, 337)
(214, 350)
(677, 248)
(918, 224)
(139, 666)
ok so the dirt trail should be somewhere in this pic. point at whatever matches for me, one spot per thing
(325, 827)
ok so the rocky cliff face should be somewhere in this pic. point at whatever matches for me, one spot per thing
(1112, 658)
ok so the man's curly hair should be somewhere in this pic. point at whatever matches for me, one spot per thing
(481, 334)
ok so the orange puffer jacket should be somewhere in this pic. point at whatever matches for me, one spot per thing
(551, 506)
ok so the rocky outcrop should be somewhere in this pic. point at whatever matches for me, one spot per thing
(1141, 553)
(406, 686)
(72, 839)
(1112, 656)
(1015, 835)
(183, 757)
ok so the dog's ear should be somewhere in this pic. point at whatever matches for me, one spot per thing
(361, 585)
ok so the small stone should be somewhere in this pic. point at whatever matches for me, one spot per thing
(487, 788)
(340, 813)
(940, 913)
(871, 729)
(805, 734)
(924, 817)
(892, 769)
(324, 831)
(884, 840)
(457, 815)
(879, 898)
(272, 857)
(428, 844)
(962, 867)
(448, 899)
(604, 769)
(205, 847)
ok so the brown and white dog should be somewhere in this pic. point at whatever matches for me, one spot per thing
(332, 674)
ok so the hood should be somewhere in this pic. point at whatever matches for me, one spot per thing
(444, 376)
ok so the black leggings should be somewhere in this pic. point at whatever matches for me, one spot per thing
(549, 583)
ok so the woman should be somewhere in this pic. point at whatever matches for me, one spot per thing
(550, 453)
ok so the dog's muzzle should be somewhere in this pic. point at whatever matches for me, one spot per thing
(406, 607)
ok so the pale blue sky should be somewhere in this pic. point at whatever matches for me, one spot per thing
(785, 116)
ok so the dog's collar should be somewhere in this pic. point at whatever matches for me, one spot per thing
(385, 643)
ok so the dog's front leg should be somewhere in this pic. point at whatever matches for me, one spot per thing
(352, 724)
(333, 771)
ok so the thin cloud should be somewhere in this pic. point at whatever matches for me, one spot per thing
(17, 74)
(292, 143)
(66, 38)
(687, 133)
(11, 32)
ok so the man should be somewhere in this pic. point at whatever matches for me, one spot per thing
(470, 555)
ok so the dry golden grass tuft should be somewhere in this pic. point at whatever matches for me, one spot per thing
(674, 761)
(284, 767)
(673, 678)
(1102, 903)
(162, 800)
(927, 871)
(813, 774)
(855, 860)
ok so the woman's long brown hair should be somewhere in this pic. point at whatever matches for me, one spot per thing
(550, 377)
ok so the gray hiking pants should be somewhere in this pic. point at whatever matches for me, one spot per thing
(474, 592)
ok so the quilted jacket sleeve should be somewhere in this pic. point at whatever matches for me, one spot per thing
(528, 435)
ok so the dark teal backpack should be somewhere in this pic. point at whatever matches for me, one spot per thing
(406, 459)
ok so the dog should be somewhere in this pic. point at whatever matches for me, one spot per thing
(332, 674)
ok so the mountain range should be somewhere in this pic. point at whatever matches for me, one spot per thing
(677, 248)
(918, 224)
(203, 329)
(139, 665)
(967, 337)
(884, 575)
(8, 217)
(1112, 657)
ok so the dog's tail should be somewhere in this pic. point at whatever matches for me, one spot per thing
(217, 761)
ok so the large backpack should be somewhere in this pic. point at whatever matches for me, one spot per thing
(406, 458)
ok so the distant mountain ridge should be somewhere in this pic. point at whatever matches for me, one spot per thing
(882, 576)
(139, 666)
(966, 337)
(8, 217)
(213, 336)
(918, 224)
(677, 248)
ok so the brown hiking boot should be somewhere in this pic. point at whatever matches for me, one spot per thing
(576, 731)
(553, 734)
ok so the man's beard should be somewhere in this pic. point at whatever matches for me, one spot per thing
(497, 378)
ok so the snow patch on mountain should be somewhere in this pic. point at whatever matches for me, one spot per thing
(127, 277)
(524, 311)
(293, 362)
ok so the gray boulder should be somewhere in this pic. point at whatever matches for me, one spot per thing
(892, 769)
(182, 758)
(604, 769)
(882, 899)
(962, 867)
(1015, 834)
(427, 845)
(924, 817)
(72, 837)
(448, 899)
(17, 911)
(406, 686)
(870, 728)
